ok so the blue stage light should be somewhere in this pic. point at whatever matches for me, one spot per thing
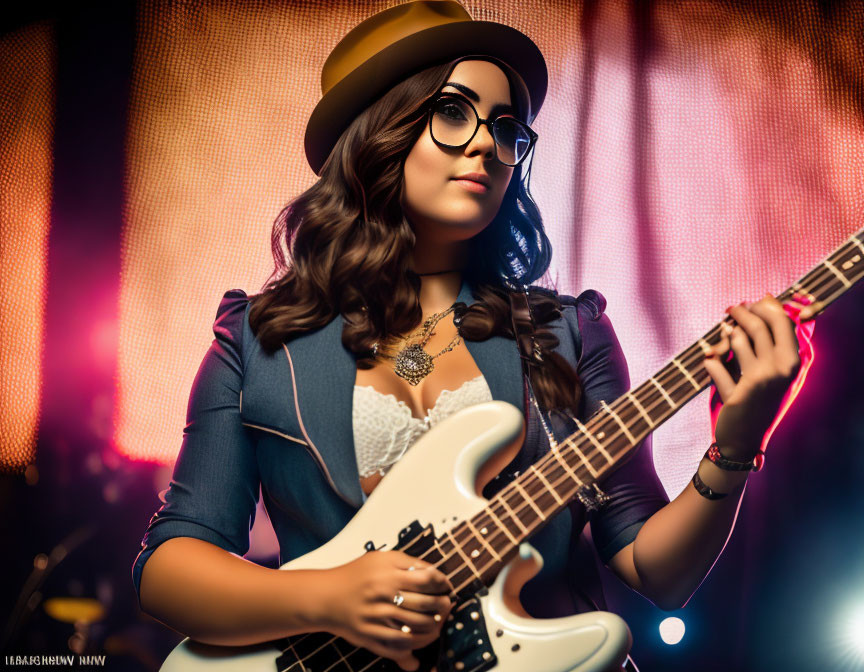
(672, 630)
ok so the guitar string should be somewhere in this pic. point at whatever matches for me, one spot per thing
(533, 479)
(605, 417)
(826, 273)
(687, 361)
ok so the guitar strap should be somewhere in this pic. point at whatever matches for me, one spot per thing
(531, 355)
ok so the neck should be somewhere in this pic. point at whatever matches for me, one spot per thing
(439, 292)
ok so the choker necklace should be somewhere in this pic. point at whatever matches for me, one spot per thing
(452, 270)
(412, 362)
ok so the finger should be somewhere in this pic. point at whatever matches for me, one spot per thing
(783, 330)
(428, 580)
(723, 380)
(417, 622)
(395, 639)
(741, 347)
(408, 562)
(426, 604)
(755, 328)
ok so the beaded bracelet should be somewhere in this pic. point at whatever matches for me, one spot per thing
(713, 454)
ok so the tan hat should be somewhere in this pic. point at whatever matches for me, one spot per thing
(400, 41)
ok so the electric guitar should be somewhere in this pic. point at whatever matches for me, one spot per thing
(480, 544)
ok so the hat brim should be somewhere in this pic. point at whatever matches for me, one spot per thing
(440, 44)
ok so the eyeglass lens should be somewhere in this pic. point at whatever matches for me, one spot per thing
(454, 122)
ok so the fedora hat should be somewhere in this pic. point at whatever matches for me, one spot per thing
(400, 41)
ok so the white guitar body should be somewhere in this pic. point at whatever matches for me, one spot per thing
(435, 483)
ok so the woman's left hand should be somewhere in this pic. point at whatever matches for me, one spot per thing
(765, 346)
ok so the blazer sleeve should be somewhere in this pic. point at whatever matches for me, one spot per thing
(214, 489)
(635, 490)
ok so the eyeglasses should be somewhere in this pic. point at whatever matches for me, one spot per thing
(453, 122)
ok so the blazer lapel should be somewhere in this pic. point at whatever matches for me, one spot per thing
(324, 373)
(498, 360)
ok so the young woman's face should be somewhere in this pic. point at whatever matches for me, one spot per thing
(452, 194)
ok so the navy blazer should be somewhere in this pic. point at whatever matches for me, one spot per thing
(281, 425)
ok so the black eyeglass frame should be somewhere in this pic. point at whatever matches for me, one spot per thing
(490, 125)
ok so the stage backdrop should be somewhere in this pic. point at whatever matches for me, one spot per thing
(691, 155)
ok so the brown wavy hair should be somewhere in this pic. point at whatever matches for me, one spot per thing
(343, 246)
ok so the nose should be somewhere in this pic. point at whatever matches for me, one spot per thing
(482, 143)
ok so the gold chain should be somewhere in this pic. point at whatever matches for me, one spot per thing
(412, 362)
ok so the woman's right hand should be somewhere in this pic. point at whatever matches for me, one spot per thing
(357, 602)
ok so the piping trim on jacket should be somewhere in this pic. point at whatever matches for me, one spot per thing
(273, 431)
(309, 443)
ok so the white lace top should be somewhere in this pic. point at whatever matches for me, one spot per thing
(384, 427)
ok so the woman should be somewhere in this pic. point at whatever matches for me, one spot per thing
(394, 313)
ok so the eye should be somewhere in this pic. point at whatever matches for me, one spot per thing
(452, 110)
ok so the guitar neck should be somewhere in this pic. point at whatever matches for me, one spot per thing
(476, 549)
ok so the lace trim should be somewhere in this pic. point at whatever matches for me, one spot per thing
(385, 427)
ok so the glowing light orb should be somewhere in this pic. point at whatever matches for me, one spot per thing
(851, 647)
(672, 630)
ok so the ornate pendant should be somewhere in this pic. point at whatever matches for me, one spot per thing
(413, 363)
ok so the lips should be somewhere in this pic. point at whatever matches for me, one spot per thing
(474, 182)
(480, 178)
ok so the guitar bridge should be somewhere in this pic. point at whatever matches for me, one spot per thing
(592, 497)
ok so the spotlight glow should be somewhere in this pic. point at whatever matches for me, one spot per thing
(849, 642)
(672, 630)
(855, 632)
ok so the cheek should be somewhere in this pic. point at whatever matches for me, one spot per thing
(425, 171)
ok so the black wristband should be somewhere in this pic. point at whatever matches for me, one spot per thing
(704, 490)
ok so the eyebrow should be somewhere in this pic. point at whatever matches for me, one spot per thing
(500, 108)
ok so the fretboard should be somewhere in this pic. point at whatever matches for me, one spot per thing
(476, 549)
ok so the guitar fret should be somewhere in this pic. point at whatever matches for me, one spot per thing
(448, 563)
(472, 546)
(849, 264)
(641, 409)
(560, 459)
(593, 440)
(663, 392)
(549, 484)
(594, 473)
(341, 657)
(528, 499)
(501, 525)
(685, 372)
(849, 259)
(799, 289)
(477, 535)
(831, 267)
(546, 484)
(558, 476)
(459, 550)
(513, 515)
(620, 422)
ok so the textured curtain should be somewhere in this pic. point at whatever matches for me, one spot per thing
(691, 155)
(27, 80)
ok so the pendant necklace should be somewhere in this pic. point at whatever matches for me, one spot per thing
(412, 362)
